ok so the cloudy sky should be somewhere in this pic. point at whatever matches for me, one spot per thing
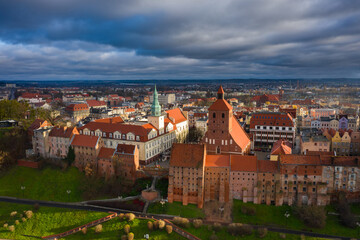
(158, 39)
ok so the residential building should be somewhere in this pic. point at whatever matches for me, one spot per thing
(268, 127)
(321, 112)
(78, 112)
(59, 141)
(315, 143)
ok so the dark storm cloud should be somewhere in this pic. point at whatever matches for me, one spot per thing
(174, 39)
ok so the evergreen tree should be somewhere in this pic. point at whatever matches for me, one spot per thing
(70, 158)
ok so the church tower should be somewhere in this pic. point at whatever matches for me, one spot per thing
(156, 118)
(224, 134)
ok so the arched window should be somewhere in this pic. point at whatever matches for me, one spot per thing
(218, 150)
(214, 115)
(223, 115)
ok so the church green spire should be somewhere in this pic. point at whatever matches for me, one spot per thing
(155, 107)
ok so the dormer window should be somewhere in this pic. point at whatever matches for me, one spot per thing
(110, 135)
(137, 138)
(104, 134)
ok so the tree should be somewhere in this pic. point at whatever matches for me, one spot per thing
(197, 223)
(262, 232)
(88, 170)
(84, 230)
(313, 216)
(70, 158)
(195, 135)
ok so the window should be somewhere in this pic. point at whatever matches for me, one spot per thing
(214, 115)
(223, 115)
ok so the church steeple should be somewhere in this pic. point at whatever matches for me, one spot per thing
(220, 93)
(155, 107)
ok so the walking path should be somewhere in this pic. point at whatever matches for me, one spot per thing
(78, 229)
(157, 216)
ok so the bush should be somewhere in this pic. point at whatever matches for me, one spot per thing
(124, 237)
(197, 223)
(262, 232)
(213, 237)
(150, 225)
(240, 229)
(282, 235)
(183, 222)
(161, 224)
(130, 216)
(127, 228)
(21, 215)
(29, 214)
(11, 228)
(98, 228)
(17, 222)
(169, 229)
(130, 236)
(36, 207)
(248, 210)
(84, 230)
(313, 216)
(13, 214)
(5, 225)
(156, 224)
(23, 219)
(217, 227)
(121, 216)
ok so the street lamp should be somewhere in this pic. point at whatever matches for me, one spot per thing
(162, 202)
(221, 209)
(68, 192)
(287, 215)
(23, 189)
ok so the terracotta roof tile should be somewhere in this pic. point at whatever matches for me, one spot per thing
(217, 161)
(95, 103)
(300, 159)
(125, 148)
(176, 115)
(220, 105)
(63, 132)
(280, 119)
(244, 163)
(281, 147)
(77, 107)
(106, 153)
(239, 135)
(110, 120)
(266, 166)
(85, 141)
(188, 155)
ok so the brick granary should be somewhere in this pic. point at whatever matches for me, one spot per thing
(214, 170)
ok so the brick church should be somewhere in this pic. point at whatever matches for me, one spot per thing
(225, 135)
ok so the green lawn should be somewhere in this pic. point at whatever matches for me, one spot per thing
(46, 184)
(204, 233)
(177, 209)
(272, 215)
(46, 221)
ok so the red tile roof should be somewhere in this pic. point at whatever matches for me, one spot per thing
(77, 107)
(125, 148)
(188, 155)
(280, 119)
(266, 166)
(244, 163)
(300, 159)
(239, 135)
(217, 161)
(220, 105)
(96, 103)
(106, 153)
(176, 115)
(85, 141)
(63, 132)
(281, 147)
(38, 123)
(138, 130)
(110, 120)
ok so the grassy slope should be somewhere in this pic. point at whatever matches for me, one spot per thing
(177, 209)
(47, 184)
(46, 221)
(272, 215)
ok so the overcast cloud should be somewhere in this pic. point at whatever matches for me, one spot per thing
(112, 39)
